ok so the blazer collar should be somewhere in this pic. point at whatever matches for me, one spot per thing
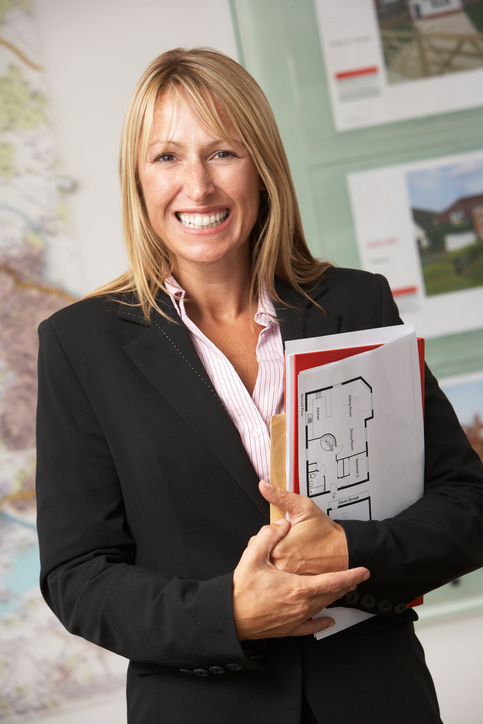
(304, 316)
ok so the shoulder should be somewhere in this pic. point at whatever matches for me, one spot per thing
(352, 283)
(93, 323)
(361, 299)
(89, 308)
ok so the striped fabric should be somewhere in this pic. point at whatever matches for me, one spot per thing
(251, 415)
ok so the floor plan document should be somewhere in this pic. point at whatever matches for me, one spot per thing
(355, 425)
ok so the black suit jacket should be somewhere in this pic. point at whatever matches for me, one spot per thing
(147, 499)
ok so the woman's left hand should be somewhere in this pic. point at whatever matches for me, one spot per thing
(315, 543)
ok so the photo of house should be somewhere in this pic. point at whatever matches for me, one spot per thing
(425, 38)
(466, 396)
(447, 212)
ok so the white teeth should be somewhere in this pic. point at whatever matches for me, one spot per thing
(202, 222)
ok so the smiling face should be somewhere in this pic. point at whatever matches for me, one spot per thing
(201, 193)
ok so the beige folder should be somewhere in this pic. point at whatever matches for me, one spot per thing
(278, 476)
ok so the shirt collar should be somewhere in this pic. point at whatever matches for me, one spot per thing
(265, 314)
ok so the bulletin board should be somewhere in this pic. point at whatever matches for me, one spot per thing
(380, 107)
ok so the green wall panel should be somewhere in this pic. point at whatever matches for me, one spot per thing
(279, 44)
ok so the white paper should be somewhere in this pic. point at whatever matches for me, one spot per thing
(360, 430)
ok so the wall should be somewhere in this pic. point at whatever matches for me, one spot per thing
(93, 54)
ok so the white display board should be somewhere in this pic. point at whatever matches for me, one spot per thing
(420, 225)
(384, 66)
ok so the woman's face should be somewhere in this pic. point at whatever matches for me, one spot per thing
(201, 193)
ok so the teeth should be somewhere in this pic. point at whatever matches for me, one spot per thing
(202, 222)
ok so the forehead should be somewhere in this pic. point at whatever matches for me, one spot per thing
(211, 117)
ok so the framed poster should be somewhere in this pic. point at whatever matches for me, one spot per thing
(421, 226)
(391, 60)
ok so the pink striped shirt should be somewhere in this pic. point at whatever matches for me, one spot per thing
(250, 414)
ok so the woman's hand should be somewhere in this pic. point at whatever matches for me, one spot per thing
(315, 544)
(271, 603)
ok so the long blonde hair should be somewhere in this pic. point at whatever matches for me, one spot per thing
(207, 80)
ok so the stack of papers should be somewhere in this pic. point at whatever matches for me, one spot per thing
(354, 430)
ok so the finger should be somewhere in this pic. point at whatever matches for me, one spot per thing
(261, 545)
(313, 626)
(297, 506)
(339, 581)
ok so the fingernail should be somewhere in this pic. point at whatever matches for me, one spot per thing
(366, 576)
(281, 521)
(268, 485)
(332, 623)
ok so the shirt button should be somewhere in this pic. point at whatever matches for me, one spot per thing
(200, 672)
(256, 432)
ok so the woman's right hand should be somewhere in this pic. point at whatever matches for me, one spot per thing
(269, 603)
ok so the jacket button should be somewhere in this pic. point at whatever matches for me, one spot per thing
(217, 670)
(351, 598)
(234, 667)
(368, 601)
(400, 608)
(385, 606)
(200, 672)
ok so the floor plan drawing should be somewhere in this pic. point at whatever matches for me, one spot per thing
(337, 450)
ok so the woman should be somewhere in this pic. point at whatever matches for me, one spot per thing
(154, 399)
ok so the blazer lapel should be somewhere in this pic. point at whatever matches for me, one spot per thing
(165, 355)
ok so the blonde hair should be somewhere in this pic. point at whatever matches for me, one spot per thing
(209, 81)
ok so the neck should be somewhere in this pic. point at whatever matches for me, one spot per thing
(214, 295)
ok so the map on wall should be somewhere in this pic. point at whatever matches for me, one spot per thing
(44, 671)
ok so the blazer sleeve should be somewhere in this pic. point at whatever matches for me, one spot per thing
(438, 538)
(88, 576)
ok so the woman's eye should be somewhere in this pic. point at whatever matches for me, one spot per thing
(225, 154)
(165, 157)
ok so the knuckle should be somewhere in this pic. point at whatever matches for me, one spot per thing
(335, 583)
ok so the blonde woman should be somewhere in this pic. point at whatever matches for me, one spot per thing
(155, 396)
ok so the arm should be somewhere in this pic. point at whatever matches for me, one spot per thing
(437, 539)
(90, 573)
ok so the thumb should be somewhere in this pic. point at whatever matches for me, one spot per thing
(297, 506)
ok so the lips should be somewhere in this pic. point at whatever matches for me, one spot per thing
(205, 221)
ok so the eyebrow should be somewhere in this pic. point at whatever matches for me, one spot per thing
(215, 142)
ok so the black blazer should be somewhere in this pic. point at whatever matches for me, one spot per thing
(147, 498)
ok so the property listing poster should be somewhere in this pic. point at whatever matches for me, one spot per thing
(465, 393)
(421, 226)
(391, 60)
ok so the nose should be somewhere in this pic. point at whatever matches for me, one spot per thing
(198, 183)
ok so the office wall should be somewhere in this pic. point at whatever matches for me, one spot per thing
(93, 53)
